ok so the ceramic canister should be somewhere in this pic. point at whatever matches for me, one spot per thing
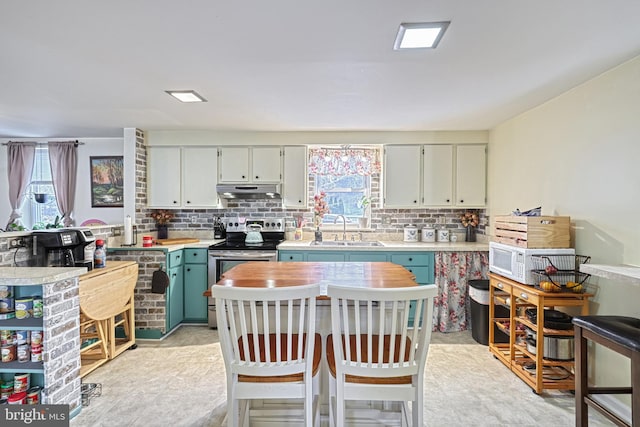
(443, 235)
(428, 234)
(410, 233)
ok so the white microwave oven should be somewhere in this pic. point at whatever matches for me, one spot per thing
(515, 263)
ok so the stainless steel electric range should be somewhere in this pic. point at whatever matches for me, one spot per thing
(234, 250)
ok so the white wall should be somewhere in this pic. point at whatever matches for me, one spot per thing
(579, 155)
(83, 209)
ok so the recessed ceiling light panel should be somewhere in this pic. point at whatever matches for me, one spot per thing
(421, 35)
(186, 95)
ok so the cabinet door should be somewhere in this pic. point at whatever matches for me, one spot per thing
(199, 177)
(265, 164)
(195, 283)
(402, 176)
(163, 177)
(295, 177)
(471, 175)
(234, 164)
(175, 300)
(325, 256)
(437, 181)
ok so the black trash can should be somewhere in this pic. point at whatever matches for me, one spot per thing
(479, 295)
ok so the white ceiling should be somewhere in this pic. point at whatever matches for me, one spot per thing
(89, 68)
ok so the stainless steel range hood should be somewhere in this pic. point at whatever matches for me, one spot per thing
(249, 191)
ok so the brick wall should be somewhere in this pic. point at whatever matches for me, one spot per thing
(61, 341)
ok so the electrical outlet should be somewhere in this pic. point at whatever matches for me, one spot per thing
(194, 219)
(17, 242)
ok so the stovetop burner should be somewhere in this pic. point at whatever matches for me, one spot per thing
(272, 234)
(267, 245)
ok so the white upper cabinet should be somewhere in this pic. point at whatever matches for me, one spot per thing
(265, 164)
(182, 177)
(234, 164)
(437, 182)
(471, 175)
(199, 177)
(294, 191)
(250, 164)
(402, 167)
(437, 175)
(163, 177)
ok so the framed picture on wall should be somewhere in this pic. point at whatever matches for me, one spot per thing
(107, 181)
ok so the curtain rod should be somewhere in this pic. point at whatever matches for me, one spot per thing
(45, 143)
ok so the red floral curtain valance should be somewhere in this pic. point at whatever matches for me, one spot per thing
(344, 161)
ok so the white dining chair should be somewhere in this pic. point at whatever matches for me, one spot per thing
(270, 348)
(378, 348)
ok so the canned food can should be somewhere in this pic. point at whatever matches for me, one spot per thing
(33, 395)
(147, 241)
(37, 307)
(6, 389)
(24, 353)
(6, 291)
(23, 337)
(21, 382)
(24, 307)
(36, 353)
(9, 315)
(4, 401)
(36, 337)
(6, 337)
(18, 398)
(8, 353)
(6, 305)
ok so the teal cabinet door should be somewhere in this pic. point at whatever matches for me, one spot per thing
(290, 256)
(175, 297)
(195, 283)
(367, 257)
(326, 256)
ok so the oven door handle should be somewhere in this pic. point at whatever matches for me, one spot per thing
(241, 255)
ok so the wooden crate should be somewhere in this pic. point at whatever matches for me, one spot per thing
(533, 231)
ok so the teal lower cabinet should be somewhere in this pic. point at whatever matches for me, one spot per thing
(175, 291)
(195, 283)
(421, 264)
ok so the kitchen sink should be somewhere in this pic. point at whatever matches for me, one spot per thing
(345, 243)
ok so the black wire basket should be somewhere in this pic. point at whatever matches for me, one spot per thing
(562, 271)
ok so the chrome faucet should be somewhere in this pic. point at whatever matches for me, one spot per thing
(344, 225)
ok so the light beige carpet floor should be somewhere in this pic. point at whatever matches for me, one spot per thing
(180, 381)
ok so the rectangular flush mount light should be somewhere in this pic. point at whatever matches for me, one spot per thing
(186, 95)
(425, 35)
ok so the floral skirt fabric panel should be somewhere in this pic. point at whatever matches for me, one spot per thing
(451, 311)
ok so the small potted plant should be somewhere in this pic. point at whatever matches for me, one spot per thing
(363, 203)
(162, 217)
(469, 221)
(320, 208)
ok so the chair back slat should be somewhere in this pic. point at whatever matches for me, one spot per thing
(267, 331)
(381, 332)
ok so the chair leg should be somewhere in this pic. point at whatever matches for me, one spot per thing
(581, 375)
(635, 388)
(340, 412)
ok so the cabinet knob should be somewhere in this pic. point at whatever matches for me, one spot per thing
(410, 259)
(461, 201)
(175, 202)
(447, 200)
(188, 269)
(243, 177)
(188, 201)
(174, 275)
(299, 201)
(410, 270)
(291, 257)
(257, 177)
(415, 201)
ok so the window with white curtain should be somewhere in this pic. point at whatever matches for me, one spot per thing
(343, 173)
(39, 207)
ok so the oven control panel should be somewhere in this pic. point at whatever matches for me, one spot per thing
(268, 224)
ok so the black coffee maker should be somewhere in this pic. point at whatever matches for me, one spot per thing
(61, 247)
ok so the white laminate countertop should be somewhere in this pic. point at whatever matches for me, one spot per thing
(623, 273)
(21, 276)
(389, 245)
(202, 244)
